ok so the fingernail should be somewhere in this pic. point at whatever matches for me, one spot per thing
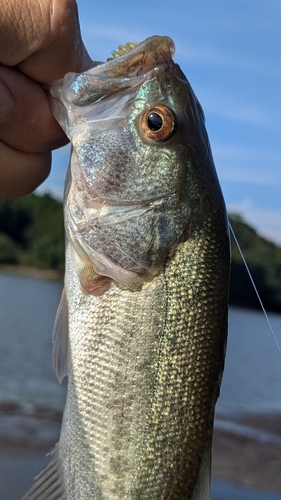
(6, 100)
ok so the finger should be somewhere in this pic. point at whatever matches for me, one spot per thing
(21, 173)
(28, 125)
(43, 38)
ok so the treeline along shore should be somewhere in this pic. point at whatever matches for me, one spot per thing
(32, 233)
(32, 236)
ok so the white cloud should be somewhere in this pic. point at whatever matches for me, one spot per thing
(52, 189)
(266, 222)
(202, 54)
(108, 32)
(189, 52)
(245, 165)
(101, 40)
(98, 37)
(246, 113)
(232, 106)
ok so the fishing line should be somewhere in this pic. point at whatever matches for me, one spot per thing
(255, 288)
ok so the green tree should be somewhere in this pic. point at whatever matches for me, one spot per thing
(36, 224)
(264, 261)
(8, 250)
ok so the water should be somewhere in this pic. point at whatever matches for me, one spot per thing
(27, 311)
(251, 383)
(252, 377)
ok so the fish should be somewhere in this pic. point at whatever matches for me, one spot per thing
(141, 329)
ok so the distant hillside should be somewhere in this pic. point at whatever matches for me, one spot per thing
(32, 232)
(32, 235)
(264, 261)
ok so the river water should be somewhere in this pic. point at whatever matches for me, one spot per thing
(27, 311)
(252, 377)
(251, 382)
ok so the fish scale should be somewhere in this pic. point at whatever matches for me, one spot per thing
(172, 390)
(146, 286)
(114, 384)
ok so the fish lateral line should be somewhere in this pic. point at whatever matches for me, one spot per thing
(255, 288)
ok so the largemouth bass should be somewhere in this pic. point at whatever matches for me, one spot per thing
(146, 285)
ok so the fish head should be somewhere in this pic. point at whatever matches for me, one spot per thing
(140, 155)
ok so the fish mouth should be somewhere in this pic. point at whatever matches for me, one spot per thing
(141, 58)
(131, 63)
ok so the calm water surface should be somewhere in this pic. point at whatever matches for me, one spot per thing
(27, 311)
(252, 378)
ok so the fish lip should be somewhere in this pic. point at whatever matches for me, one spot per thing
(147, 55)
(126, 70)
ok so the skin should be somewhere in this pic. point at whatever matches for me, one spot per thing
(40, 42)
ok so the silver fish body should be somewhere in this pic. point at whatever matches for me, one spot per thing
(146, 285)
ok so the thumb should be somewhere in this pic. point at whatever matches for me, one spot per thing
(42, 38)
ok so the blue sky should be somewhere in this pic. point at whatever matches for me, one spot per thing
(230, 52)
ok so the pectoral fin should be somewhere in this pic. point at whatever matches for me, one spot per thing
(91, 281)
(48, 484)
(60, 339)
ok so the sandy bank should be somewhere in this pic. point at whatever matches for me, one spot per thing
(254, 461)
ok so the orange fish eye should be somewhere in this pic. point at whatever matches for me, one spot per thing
(157, 123)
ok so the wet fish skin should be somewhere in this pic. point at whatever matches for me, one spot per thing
(160, 365)
(146, 355)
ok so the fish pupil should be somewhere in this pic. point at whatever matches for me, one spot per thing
(154, 122)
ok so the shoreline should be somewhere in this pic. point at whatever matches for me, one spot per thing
(245, 461)
(58, 276)
(249, 459)
(32, 272)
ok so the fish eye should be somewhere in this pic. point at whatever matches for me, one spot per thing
(157, 123)
(154, 122)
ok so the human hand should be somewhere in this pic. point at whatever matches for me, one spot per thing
(40, 42)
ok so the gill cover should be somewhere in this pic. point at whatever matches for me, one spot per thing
(125, 207)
